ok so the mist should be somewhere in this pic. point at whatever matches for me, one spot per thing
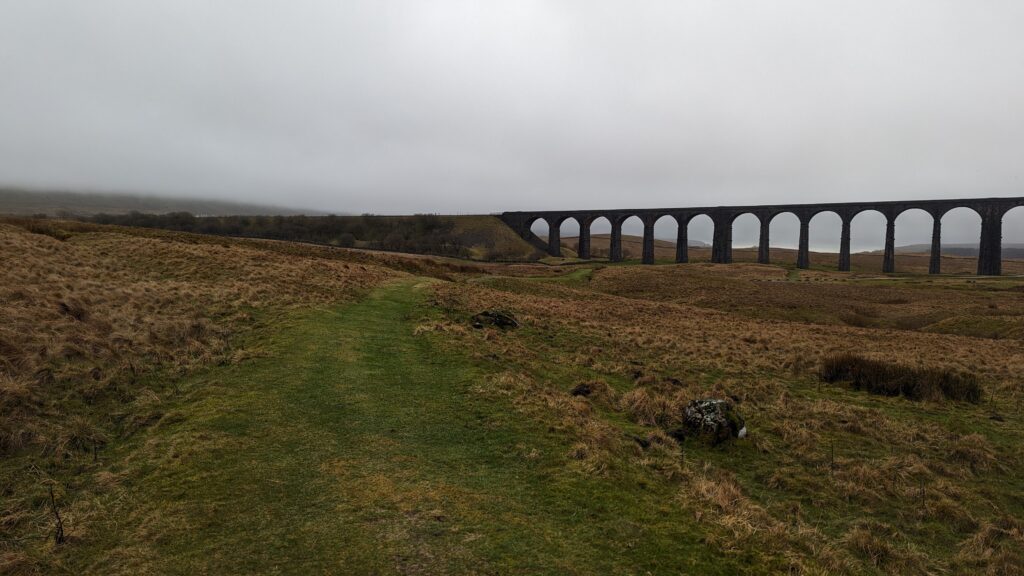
(467, 107)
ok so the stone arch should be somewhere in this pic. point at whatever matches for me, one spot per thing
(961, 239)
(1013, 236)
(1013, 225)
(700, 234)
(631, 230)
(536, 231)
(867, 236)
(913, 228)
(784, 231)
(964, 208)
(601, 224)
(572, 231)
(600, 237)
(664, 228)
(825, 233)
(539, 226)
(574, 226)
(746, 235)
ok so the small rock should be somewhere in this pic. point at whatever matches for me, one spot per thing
(584, 389)
(497, 318)
(712, 419)
(596, 390)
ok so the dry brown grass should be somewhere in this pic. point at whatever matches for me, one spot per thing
(898, 380)
(645, 329)
(947, 305)
(88, 315)
(997, 548)
(885, 548)
(85, 314)
(96, 323)
(671, 334)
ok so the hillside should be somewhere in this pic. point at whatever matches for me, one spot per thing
(1010, 250)
(19, 202)
(211, 405)
(469, 237)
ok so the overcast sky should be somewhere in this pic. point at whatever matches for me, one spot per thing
(464, 107)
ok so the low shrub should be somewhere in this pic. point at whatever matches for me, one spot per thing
(892, 379)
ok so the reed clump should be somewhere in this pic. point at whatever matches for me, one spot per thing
(894, 379)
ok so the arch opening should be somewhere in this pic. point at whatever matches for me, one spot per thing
(784, 232)
(700, 233)
(746, 235)
(600, 237)
(1013, 241)
(961, 241)
(666, 234)
(632, 238)
(825, 237)
(540, 228)
(913, 240)
(569, 236)
(867, 240)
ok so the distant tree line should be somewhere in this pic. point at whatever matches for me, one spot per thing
(422, 233)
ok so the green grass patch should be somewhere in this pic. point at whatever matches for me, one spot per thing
(355, 446)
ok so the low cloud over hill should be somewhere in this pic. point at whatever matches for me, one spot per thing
(18, 202)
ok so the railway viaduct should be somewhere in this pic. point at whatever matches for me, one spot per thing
(991, 211)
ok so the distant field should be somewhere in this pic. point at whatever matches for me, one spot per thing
(917, 263)
(210, 405)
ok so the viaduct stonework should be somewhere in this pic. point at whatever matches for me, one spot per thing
(991, 211)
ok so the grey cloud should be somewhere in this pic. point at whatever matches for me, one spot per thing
(395, 107)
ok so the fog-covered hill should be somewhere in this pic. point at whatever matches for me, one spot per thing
(20, 202)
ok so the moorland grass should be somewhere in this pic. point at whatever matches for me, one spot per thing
(355, 445)
(893, 379)
(296, 429)
(824, 467)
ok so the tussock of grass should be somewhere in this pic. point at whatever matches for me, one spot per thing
(996, 548)
(891, 379)
(885, 548)
(598, 391)
(645, 407)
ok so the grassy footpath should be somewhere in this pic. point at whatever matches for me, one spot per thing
(354, 446)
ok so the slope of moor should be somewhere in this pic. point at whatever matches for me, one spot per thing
(208, 405)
